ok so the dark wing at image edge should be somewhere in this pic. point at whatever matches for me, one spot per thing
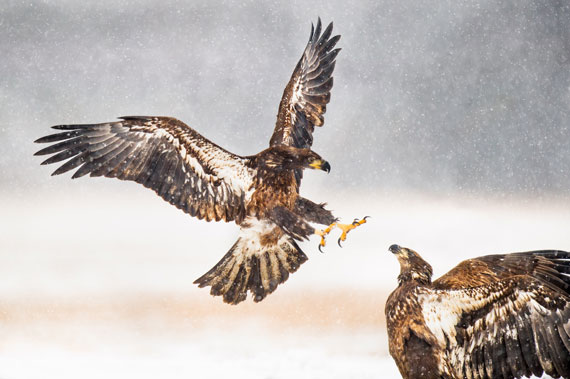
(515, 324)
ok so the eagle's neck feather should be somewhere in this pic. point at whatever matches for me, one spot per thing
(411, 275)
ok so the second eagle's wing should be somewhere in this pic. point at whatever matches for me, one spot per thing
(162, 154)
(489, 269)
(308, 91)
(513, 322)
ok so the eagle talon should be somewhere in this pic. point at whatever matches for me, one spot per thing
(356, 222)
(345, 228)
(348, 227)
(322, 234)
(322, 243)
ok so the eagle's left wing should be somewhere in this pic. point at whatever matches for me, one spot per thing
(308, 92)
(516, 323)
(491, 268)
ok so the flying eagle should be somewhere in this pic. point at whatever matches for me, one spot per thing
(260, 192)
(497, 316)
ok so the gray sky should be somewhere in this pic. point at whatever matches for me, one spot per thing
(448, 96)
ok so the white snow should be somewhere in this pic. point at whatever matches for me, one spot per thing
(99, 284)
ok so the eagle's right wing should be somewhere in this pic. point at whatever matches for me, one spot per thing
(162, 154)
(514, 321)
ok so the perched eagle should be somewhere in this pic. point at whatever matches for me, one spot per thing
(260, 192)
(497, 316)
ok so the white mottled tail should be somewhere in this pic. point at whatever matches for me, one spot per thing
(257, 263)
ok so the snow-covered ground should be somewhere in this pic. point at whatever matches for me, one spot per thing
(100, 284)
(156, 344)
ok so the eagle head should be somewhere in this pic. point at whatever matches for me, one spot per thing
(283, 157)
(412, 266)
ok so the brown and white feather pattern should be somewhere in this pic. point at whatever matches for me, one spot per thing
(510, 322)
(308, 91)
(161, 153)
(260, 260)
(259, 192)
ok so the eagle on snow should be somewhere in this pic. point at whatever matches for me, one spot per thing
(496, 316)
(260, 192)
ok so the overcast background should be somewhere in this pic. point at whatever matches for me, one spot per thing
(448, 124)
(458, 96)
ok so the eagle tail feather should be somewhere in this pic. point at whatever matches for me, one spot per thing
(259, 271)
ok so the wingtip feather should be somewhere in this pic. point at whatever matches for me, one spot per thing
(70, 127)
(317, 30)
(326, 34)
(44, 151)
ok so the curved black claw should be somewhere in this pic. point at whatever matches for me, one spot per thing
(357, 222)
(339, 242)
(322, 252)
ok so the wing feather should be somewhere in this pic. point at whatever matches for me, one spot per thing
(549, 265)
(59, 136)
(162, 154)
(71, 164)
(308, 91)
(512, 321)
(513, 349)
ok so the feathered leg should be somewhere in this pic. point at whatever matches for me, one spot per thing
(291, 223)
(313, 212)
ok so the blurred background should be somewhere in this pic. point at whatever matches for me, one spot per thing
(448, 125)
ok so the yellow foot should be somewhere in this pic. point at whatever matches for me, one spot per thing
(323, 233)
(348, 227)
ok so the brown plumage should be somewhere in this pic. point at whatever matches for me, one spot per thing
(497, 316)
(259, 192)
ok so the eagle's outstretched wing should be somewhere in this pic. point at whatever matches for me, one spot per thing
(308, 92)
(492, 268)
(162, 154)
(504, 315)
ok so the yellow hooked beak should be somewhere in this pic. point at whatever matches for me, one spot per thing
(320, 164)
